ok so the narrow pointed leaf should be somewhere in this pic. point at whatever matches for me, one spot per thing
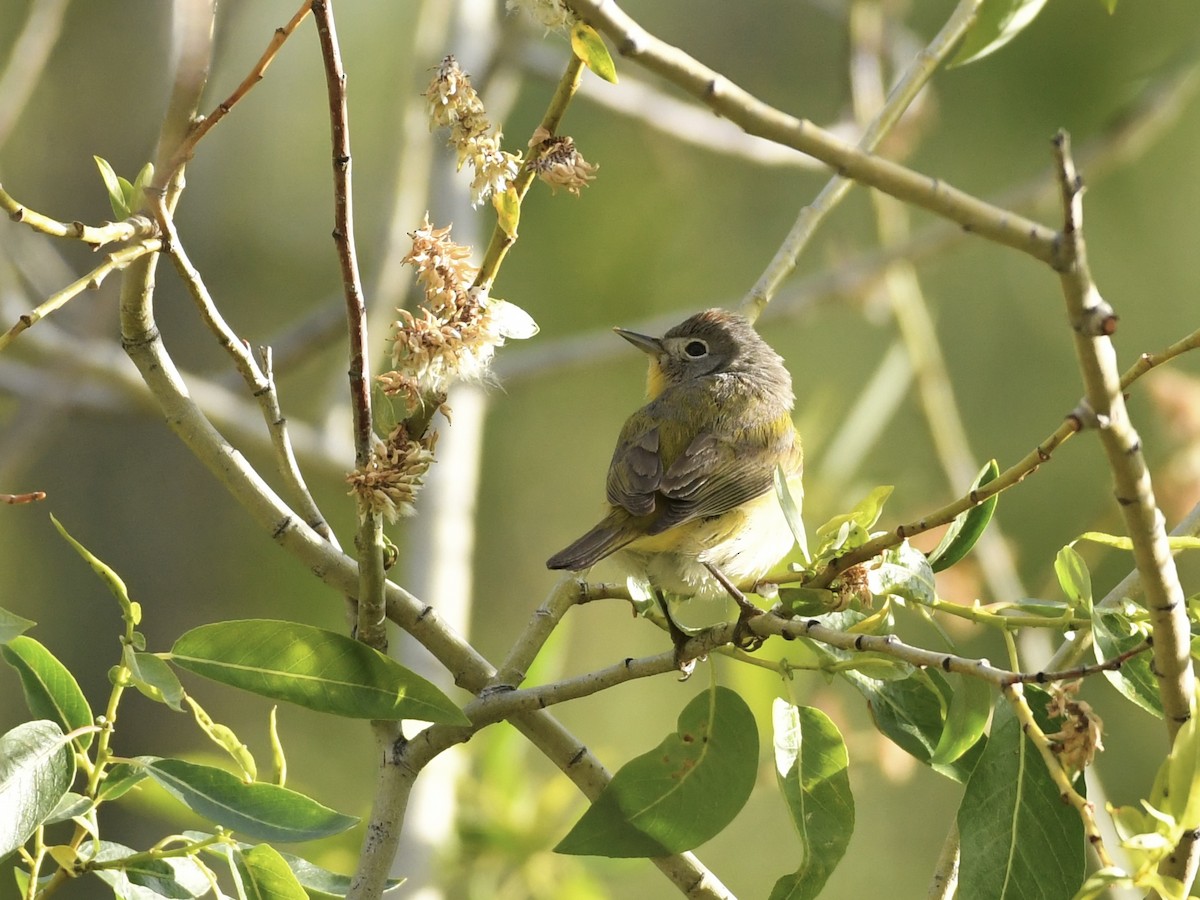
(225, 738)
(998, 22)
(590, 48)
(265, 875)
(37, 767)
(967, 527)
(12, 625)
(313, 668)
(138, 195)
(865, 514)
(132, 612)
(51, 691)
(811, 767)
(680, 794)
(265, 812)
(965, 720)
(112, 184)
(120, 779)
(791, 512)
(1019, 839)
(1074, 579)
(508, 210)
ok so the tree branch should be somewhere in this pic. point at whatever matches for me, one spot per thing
(757, 117)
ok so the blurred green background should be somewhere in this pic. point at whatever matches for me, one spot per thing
(666, 229)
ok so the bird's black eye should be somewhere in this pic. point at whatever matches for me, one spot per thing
(696, 349)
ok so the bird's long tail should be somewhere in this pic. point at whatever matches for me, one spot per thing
(613, 533)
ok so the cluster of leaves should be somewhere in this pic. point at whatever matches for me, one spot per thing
(60, 767)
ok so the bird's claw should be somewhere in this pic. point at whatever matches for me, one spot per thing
(743, 637)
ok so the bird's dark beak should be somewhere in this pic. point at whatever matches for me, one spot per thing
(643, 342)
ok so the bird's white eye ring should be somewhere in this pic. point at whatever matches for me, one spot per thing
(696, 349)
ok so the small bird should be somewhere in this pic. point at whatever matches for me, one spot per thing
(690, 487)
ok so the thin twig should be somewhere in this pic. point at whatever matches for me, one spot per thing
(501, 242)
(909, 85)
(757, 117)
(95, 236)
(187, 147)
(117, 260)
(370, 626)
(258, 379)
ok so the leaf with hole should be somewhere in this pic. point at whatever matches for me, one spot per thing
(811, 769)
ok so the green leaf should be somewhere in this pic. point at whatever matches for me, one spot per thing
(321, 884)
(1019, 839)
(903, 572)
(265, 812)
(154, 678)
(12, 625)
(965, 720)
(51, 691)
(130, 611)
(1181, 786)
(225, 738)
(37, 767)
(587, 44)
(1113, 634)
(912, 713)
(278, 757)
(120, 779)
(811, 767)
(967, 527)
(1109, 5)
(116, 196)
(508, 210)
(264, 875)
(137, 194)
(791, 512)
(864, 515)
(807, 601)
(313, 668)
(69, 807)
(680, 794)
(997, 23)
(176, 878)
(1074, 579)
